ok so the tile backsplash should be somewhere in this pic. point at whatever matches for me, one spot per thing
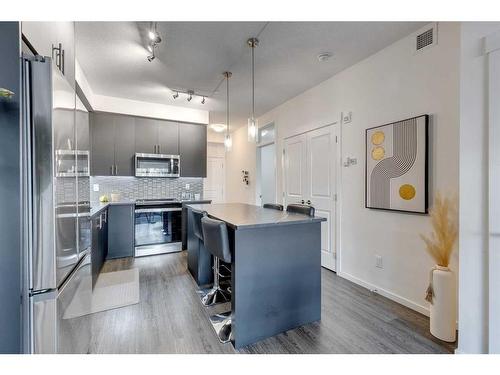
(145, 188)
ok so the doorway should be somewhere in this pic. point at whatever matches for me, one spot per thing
(266, 166)
(310, 177)
(214, 183)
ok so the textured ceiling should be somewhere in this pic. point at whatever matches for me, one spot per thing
(193, 55)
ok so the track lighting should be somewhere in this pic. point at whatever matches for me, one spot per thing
(155, 39)
(176, 95)
(203, 100)
(189, 95)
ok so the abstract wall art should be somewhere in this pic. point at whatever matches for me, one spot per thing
(397, 166)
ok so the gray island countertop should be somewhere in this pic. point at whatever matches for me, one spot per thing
(241, 215)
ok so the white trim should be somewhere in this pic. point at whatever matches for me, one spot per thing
(492, 42)
(493, 199)
(392, 296)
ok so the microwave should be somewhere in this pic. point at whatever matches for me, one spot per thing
(157, 165)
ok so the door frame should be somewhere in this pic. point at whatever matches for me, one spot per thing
(337, 204)
(492, 50)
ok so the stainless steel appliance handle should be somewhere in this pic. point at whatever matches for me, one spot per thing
(157, 210)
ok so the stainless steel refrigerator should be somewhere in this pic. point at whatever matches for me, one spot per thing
(56, 210)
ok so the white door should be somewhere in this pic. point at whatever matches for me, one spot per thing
(267, 171)
(310, 162)
(213, 185)
(295, 169)
(321, 189)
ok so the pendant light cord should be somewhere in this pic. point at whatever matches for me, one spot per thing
(253, 82)
(227, 104)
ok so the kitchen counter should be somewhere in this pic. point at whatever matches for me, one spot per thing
(247, 216)
(275, 268)
(97, 207)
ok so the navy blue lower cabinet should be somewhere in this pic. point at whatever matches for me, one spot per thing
(121, 231)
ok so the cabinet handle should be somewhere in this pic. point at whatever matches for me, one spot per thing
(105, 216)
(99, 224)
(302, 201)
(116, 170)
(159, 149)
(111, 169)
(308, 202)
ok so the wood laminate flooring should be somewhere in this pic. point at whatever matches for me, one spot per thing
(170, 319)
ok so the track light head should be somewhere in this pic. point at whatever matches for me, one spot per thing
(176, 95)
(190, 95)
(154, 36)
(203, 100)
(151, 57)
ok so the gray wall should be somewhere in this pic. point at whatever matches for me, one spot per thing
(145, 188)
(10, 247)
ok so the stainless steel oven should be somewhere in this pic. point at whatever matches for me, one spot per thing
(157, 165)
(158, 227)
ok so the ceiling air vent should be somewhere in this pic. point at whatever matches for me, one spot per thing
(426, 38)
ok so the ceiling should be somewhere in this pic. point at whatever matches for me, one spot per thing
(193, 55)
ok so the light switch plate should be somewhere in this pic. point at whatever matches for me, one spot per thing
(96, 187)
(347, 117)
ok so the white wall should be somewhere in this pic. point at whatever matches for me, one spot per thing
(241, 157)
(473, 282)
(396, 83)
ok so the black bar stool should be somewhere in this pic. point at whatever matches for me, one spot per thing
(217, 243)
(301, 209)
(274, 206)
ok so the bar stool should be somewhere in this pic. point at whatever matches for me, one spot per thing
(217, 243)
(301, 209)
(273, 206)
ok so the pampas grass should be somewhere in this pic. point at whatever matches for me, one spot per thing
(441, 243)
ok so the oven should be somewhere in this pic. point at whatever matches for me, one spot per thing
(158, 227)
(157, 165)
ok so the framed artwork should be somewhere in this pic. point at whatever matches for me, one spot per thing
(397, 166)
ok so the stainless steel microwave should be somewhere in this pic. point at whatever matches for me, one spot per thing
(157, 165)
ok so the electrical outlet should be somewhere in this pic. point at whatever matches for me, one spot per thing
(188, 186)
(96, 187)
(347, 117)
(378, 261)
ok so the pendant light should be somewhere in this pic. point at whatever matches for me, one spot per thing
(228, 142)
(252, 121)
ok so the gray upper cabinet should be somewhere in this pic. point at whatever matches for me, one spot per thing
(82, 130)
(45, 35)
(168, 137)
(124, 145)
(146, 139)
(102, 130)
(115, 139)
(193, 150)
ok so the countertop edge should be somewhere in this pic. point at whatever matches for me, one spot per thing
(316, 219)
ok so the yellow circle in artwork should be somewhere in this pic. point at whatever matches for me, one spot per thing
(378, 138)
(378, 153)
(407, 192)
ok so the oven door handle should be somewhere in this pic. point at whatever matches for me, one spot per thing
(153, 210)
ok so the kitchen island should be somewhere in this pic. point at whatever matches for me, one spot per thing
(276, 268)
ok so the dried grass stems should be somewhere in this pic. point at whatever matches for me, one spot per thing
(444, 216)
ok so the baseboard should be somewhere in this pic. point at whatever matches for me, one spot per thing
(392, 296)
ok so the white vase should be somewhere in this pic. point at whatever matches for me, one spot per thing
(443, 310)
